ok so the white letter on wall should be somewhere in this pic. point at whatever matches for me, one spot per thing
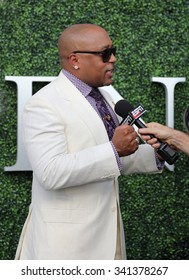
(24, 90)
(169, 85)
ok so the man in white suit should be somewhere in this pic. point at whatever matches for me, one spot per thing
(74, 212)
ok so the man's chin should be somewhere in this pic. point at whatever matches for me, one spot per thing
(108, 83)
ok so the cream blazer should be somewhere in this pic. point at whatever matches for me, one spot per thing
(75, 200)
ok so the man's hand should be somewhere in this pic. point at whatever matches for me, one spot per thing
(125, 140)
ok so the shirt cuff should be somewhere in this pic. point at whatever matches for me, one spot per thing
(120, 166)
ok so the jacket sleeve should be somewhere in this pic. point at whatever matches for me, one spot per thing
(142, 161)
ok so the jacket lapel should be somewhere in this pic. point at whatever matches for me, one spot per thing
(112, 97)
(82, 108)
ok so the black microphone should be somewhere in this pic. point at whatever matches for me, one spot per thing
(186, 118)
(132, 116)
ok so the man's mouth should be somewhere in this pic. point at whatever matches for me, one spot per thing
(110, 72)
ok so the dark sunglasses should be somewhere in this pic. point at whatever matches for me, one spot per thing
(106, 54)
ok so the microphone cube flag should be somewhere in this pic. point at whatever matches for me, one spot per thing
(138, 112)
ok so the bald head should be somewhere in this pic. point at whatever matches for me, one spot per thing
(78, 37)
(80, 49)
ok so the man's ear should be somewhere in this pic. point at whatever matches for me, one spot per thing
(73, 60)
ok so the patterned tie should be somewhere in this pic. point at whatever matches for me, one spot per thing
(104, 112)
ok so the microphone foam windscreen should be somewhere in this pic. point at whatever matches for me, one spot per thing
(123, 107)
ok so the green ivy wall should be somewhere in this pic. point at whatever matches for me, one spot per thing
(153, 40)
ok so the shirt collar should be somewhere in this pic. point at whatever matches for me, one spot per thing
(80, 85)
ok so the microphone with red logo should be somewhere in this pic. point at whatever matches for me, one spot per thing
(132, 116)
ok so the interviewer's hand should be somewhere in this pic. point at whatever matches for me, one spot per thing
(125, 140)
(160, 131)
(177, 139)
